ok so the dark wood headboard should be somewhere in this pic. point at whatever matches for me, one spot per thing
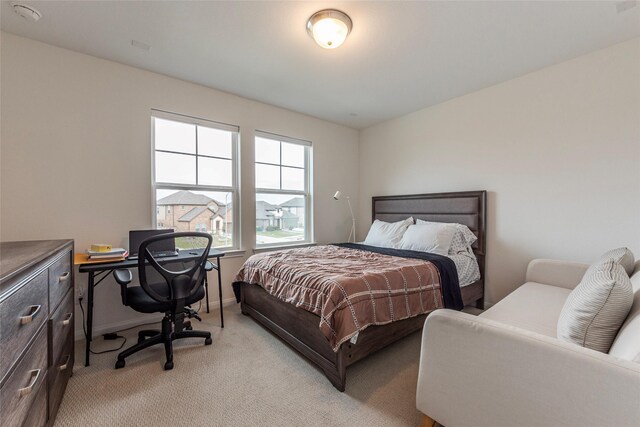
(467, 207)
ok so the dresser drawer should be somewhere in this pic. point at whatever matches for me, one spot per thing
(61, 325)
(59, 375)
(38, 413)
(21, 315)
(59, 280)
(21, 389)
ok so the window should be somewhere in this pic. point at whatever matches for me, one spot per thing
(195, 176)
(283, 198)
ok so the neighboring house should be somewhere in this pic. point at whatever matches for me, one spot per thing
(296, 207)
(187, 211)
(268, 215)
(223, 220)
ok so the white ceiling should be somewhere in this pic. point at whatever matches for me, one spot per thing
(400, 56)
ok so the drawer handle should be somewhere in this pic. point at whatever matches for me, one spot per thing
(64, 277)
(35, 374)
(65, 365)
(35, 309)
(66, 321)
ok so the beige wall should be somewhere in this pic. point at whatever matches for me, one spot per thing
(557, 149)
(67, 117)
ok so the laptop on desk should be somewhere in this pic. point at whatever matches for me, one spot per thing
(164, 248)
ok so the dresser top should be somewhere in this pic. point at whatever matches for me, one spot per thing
(16, 257)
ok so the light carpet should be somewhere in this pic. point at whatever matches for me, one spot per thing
(248, 377)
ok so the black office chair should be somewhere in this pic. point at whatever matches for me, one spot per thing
(170, 289)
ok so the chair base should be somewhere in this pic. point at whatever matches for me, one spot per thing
(166, 336)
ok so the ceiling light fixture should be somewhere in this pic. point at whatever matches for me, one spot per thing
(329, 27)
(27, 12)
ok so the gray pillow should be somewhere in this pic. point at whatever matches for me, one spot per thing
(597, 307)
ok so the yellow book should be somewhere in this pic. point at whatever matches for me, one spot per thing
(100, 247)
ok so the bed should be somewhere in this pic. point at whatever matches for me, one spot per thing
(300, 328)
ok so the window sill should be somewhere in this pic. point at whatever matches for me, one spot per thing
(278, 247)
(234, 253)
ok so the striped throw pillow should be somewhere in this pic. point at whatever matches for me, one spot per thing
(623, 256)
(597, 307)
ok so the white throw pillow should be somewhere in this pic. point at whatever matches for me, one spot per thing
(387, 234)
(623, 256)
(597, 307)
(462, 239)
(434, 237)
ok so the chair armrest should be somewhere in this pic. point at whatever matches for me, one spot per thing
(122, 276)
(564, 274)
(478, 372)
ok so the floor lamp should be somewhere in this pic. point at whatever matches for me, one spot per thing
(338, 196)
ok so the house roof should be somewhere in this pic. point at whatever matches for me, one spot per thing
(193, 213)
(296, 202)
(185, 197)
(222, 211)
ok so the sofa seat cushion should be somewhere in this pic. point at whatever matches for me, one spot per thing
(533, 306)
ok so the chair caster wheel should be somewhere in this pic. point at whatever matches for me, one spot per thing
(168, 366)
(208, 341)
(120, 364)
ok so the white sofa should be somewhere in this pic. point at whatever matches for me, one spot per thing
(506, 367)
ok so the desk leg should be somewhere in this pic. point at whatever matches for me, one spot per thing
(206, 288)
(220, 291)
(89, 336)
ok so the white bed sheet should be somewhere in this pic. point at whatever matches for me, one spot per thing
(467, 266)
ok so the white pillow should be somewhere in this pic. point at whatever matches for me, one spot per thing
(597, 307)
(387, 234)
(434, 237)
(622, 256)
(462, 240)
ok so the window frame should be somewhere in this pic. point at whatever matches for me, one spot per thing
(234, 189)
(306, 193)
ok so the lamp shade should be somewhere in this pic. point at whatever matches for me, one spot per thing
(329, 27)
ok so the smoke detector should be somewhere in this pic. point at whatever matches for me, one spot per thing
(27, 12)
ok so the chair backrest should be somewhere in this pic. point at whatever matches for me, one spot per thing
(183, 281)
(627, 343)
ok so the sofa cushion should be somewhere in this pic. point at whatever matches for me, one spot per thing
(533, 306)
(597, 307)
(627, 343)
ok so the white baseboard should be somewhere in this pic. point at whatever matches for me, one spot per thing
(130, 323)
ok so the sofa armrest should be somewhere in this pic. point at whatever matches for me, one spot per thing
(564, 274)
(478, 372)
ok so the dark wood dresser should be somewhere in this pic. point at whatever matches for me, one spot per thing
(36, 330)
